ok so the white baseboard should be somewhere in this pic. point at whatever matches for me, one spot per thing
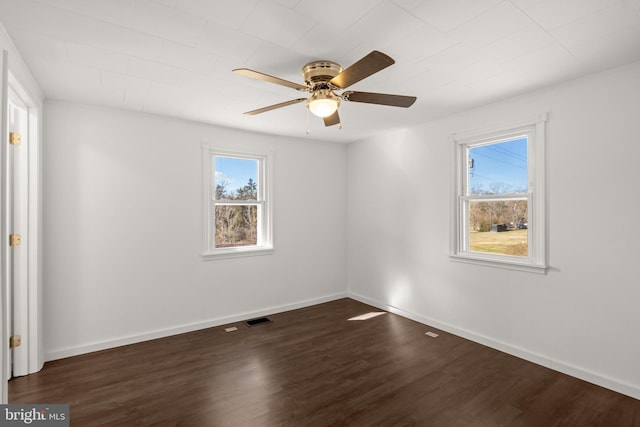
(132, 339)
(540, 359)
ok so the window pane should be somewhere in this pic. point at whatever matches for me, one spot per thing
(499, 168)
(499, 227)
(235, 179)
(236, 226)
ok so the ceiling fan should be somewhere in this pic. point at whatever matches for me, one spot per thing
(325, 79)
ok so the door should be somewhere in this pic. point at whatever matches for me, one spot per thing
(18, 128)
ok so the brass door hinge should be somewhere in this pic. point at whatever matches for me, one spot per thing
(15, 239)
(15, 341)
(15, 138)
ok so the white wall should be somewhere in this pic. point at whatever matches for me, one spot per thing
(582, 317)
(123, 229)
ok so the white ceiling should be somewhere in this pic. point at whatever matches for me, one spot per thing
(174, 57)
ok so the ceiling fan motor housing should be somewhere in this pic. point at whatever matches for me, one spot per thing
(318, 73)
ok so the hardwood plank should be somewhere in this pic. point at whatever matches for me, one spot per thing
(312, 367)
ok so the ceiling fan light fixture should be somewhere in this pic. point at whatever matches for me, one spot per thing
(323, 103)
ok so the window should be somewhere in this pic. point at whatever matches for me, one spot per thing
(237, 204)
(499, 197)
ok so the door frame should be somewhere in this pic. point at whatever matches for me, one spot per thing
(18, 289)
(33, 227)
(33, 218)
(5, 356)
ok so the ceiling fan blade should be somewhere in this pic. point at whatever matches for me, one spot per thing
(273, 107)
(333, 119)
(380, 98)
(267, 78)
(370, 64)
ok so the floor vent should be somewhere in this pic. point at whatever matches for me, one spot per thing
(257, 321)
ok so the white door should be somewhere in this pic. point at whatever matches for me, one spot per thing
(18, 128)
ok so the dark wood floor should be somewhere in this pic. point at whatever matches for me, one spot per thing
(312, 367)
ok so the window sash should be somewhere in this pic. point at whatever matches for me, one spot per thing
(236, 202)
(465, 230)
(260, 231)
(260, 237)
(260, 175)
(528, 133)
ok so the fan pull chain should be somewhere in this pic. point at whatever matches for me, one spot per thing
(308, 131)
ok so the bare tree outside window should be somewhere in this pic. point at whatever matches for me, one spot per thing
(237, 225)
(236, 208)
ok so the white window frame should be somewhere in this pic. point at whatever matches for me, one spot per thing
(536, 259)
(264, 202)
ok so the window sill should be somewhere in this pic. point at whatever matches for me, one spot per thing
(236, 253)
(498, 262)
